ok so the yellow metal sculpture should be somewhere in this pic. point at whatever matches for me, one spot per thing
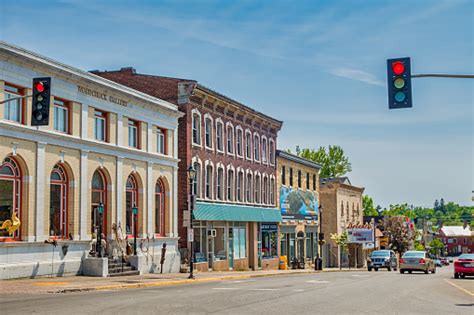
(11, 225)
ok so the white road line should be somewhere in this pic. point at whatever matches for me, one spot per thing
(224, 288)
(360, 275)
(298, 290)
(317, 281)
(264, 289)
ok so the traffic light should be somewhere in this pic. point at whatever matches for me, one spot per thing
(399, 83)
(40, 104)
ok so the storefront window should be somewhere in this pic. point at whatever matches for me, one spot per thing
(13, 110)
(200, 242)
(220, 252)
(58, 202)
(10, 186)
(239, 240)
(269, 240)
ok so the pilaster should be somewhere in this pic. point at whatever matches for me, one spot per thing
(40, 183)
(84, 191)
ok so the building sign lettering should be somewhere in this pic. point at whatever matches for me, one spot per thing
(101, 95)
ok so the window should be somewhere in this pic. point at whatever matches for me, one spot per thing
(314, 181)
(291, 176)
(283, 175)
(200, 242)
(230, 185)
(133, 134)
(311, 245)
(10, 194)
(58, 203)
(264, 150)
(249, 188)
(209, 182)
(160, 141)
(342, 208)
(159, 208)
(208, 132)
(220, 241)
(307, 180)
(257, 189)
(248, 145)
(239, 142)
(61, 116)
(100, 125)
(272, 152)
(269, 240)
(13, 110)
(230, 140)
(299, 179)
(219, 136)
(98, 196)
(240, 184)
(256, 145)
(265, 190)
(272, 191)
(220, 183)
(131, 200)
(238, 235)
(197, 128)
(197, 181)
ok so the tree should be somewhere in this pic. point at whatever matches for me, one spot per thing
(368, 205)
(400, 236)
(341, 241)
(436, 247)
(333, 161)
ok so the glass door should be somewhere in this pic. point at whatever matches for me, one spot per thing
(231, 247)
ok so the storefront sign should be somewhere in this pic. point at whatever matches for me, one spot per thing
(297, 204)
(190, 235)
(269, 227)
(360, 235)
(101, 95)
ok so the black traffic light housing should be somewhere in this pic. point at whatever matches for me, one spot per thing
(40, 103)
(399, 83)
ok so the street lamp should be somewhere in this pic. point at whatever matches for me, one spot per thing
(100, 210)
(191, 177)
(135, 215)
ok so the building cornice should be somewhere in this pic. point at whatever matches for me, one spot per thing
(294, 158)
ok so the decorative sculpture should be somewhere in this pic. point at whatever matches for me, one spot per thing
(11, 225)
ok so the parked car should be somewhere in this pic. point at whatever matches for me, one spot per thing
(464, 266)
(416, 261)
(450, 259)
(444, 261)
(382, 259)
(438, 263)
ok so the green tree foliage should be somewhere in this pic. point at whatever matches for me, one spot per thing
(368, 205)
(436, 247)
(333, 161)
(341, 241)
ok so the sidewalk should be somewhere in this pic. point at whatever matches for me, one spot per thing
(83, 284)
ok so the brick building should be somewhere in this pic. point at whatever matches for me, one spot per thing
(457, 239)
(298, 199)
(341, 204)
(232, 148)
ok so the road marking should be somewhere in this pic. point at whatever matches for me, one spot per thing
(298, 290)
(264, 289)
(224, 288)
(317, 281)
(460, 288)
(360, 275)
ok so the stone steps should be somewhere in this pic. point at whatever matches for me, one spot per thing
(116, 270)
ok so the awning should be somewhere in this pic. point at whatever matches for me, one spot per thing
(222, 212)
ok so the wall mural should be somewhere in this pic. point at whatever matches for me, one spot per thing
(296, 204)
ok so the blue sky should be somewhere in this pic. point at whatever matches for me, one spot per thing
(317, 65)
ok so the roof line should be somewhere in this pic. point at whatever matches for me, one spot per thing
(298, 159)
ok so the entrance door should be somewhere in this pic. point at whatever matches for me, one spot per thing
(231, 247)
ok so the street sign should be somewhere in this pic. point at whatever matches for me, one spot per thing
(190, 235)
(384, 241)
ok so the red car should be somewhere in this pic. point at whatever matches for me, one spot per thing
(464, 266)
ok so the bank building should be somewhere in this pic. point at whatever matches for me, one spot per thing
(106, 165)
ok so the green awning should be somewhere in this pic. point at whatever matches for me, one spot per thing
(222, 212)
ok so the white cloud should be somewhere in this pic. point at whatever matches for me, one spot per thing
(357, 75)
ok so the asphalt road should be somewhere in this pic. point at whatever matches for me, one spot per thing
(379, 292)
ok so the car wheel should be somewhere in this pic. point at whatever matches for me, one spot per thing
(433, 271)
(376, 269)
(409, 271)
(402, 271)
(394, 268)
(456, 275)
(389, 268)
(369, 269)
(463, 276)
(426, 271)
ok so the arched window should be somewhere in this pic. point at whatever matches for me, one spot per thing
(209, 178)
(160, 208)
(248, 193)
(197, 180)
(99, 196)
(220, 183)
(58, 202)
(265, 190)
(257, 189)
(347, 210)
(230, 185)
(10, 194)
(131, 200)
(342, 208)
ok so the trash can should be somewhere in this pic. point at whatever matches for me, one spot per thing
(318, 263)
(283, 263)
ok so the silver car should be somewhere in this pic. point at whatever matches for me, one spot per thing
(416, 261)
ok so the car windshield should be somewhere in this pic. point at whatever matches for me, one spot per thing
(380, 254)
(466, 256)
(414, 255)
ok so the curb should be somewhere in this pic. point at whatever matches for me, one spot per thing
(188, 281)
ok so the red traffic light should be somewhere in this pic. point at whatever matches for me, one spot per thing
(39, 87)
(398, 67)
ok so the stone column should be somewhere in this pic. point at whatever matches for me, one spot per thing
(40, 185)
(84, 192)
(150, 187)
(119, 193)
(174, 195)
(149, 135)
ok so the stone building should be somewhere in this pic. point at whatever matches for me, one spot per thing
(232, 147)
(105, 144)
(298, 199)
(341, 205)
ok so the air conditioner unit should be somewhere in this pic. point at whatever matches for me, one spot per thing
(212, 233)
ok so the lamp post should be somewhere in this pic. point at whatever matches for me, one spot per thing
(191, 177)
(100, 210)
(135, 216)
(320, 239)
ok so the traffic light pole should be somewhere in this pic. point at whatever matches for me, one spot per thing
(452, 76)
(15, 98)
